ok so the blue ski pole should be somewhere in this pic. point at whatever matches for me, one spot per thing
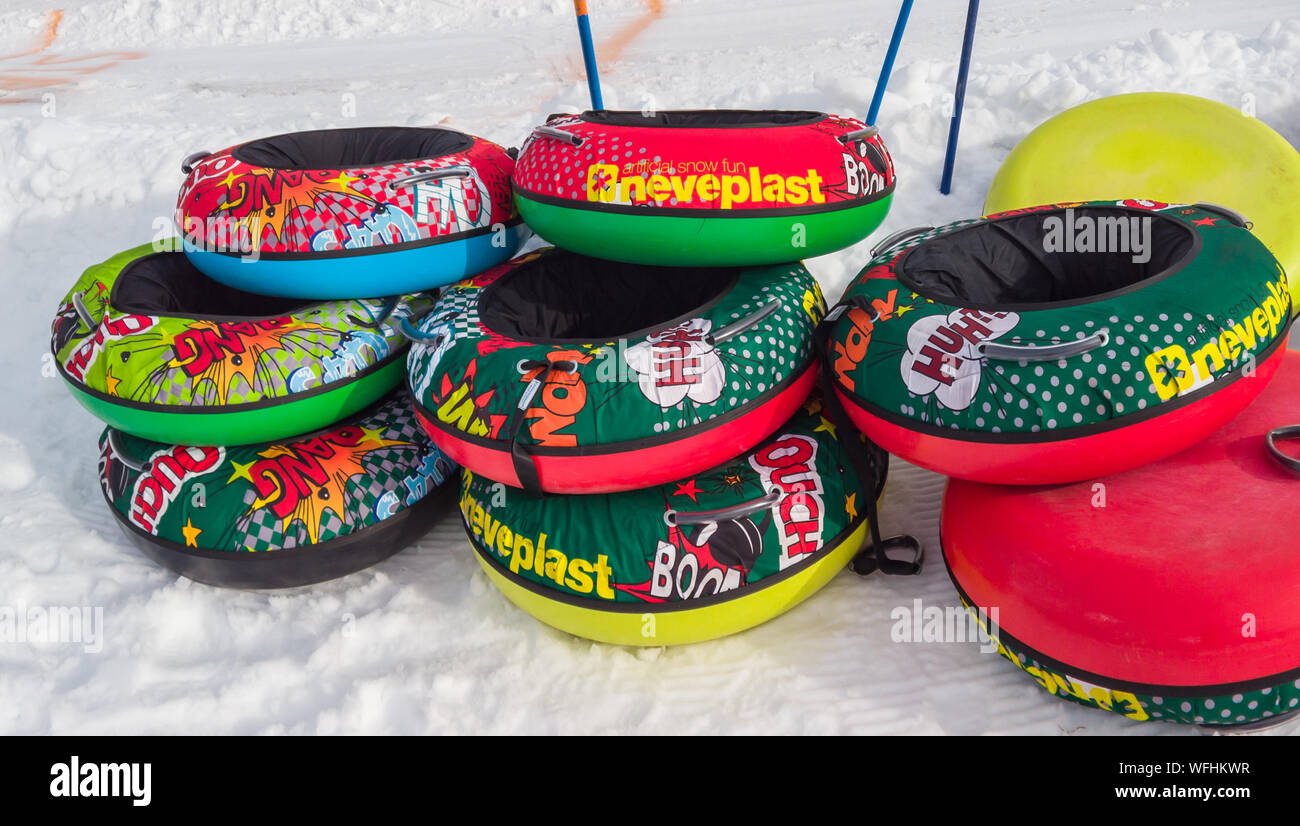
(945, 183)
(588, 54)
(888, 67)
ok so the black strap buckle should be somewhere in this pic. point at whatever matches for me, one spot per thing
(874, 556)
(877, 558)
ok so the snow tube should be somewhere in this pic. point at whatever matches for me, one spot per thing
(311, 508)
(343, 213)
(708, 555)
(151, 346)
(1166, 592)
(1177, 148)
(1025, 348)
(704, 187)
(567, 374)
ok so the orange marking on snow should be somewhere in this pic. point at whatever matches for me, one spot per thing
(50, 70)
(609, 51)
(47, 38)
(51, 30)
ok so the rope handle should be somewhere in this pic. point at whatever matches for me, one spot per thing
(187, 164)
(431, 175)
(544, 368)
(674, 517)
(857, 301)
(409, 327)
(560, 135)
(1047, 352)
(1290, 432)
(859, 134)
(740, 325)
(375, 322)
(891, 240)
(115, 445)
(1231, 214)
(79, 304)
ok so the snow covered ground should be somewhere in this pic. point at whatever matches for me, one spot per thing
(423, 642)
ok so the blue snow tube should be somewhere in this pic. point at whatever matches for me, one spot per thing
(348, 213)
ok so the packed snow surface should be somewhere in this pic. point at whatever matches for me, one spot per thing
(98, 107)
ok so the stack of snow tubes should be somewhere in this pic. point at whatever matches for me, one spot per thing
(251, 373)
(662, 435)
(1080, 371)
(648, 456)
(648, 459)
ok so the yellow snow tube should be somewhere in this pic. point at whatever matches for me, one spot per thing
(1166, 147)
(679, 626)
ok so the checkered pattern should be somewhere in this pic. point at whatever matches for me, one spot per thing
(385, 470)
(456, 311)
(175, 387)
(330, 210)
(459, 305)
(172, 385)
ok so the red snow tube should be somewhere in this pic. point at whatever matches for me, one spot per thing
(1168, 592)
(711, 187)
(1084, 457)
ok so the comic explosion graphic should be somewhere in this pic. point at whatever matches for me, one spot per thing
(307, 479)
(296, 191)
(218, 353)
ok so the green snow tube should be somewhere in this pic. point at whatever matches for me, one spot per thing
(152, 347)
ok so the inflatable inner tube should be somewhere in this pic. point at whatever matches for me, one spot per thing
(293, 512)
(1163, 593)
(1167, 146)
(1028, 348)
(563, 373)
(153, 347)
(703, 187)
(341, 213)
(702, 557)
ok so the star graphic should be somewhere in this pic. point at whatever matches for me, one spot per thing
(230, 179)
(851, 505)
(241, 471)
(373, 434)
(344, 179)
(1205, 222)
(688, 489)
(828, 427)
(111, 383)
(191, 534)
(899, 312)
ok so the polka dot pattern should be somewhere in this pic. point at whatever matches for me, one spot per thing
(760, 355)
(555, 168)
(1138, 357)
